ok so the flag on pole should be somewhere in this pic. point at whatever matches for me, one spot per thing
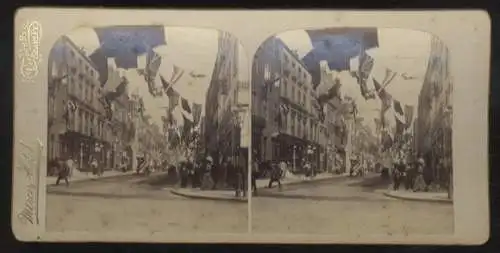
(384, 96)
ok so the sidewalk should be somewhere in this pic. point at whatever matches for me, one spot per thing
(208, 194)
(87, 176)
(227, 195)
(438, 197)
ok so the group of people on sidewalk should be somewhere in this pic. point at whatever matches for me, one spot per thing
(206, 175)
(64, 168)
(411, 175)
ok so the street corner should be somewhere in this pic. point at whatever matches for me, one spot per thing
(420, 196)
(209, 195)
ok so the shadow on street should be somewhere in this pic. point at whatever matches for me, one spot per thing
(373, 183)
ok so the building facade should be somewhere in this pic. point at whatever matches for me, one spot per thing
(76, 117)
(221, 126)
(286, 125)
(434, 119)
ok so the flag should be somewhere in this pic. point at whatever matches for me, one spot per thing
(398, 110)
(110, 96)
(148, 66)
(330, 94)
(366, 63)
(337, 46)
(384, 96)
(125, 43)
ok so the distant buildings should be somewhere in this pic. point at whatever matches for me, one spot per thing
(434, 119)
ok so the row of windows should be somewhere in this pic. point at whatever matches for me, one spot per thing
(88, 70)
(302, 73)
(86, 123)
(84, 90)
(300, 125)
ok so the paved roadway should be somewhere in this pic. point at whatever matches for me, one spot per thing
(127, 203)
(336, 206)
(352, 206)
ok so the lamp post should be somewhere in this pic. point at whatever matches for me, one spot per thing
(81, 155)
(448, 119)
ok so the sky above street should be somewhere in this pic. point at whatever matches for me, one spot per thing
(191, 49)
(402, 50)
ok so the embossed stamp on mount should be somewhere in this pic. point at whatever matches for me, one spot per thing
(29, 55)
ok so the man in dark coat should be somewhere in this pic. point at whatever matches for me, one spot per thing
(276, 174)
(63, 172)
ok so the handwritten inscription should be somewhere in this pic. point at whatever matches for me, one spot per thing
(30, 56)
(28, 164)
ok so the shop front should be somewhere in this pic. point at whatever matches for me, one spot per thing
(296, 152)
(82, 148)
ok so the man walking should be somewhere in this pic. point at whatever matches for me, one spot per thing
(276, 174)
(254, 174)
(63, 172)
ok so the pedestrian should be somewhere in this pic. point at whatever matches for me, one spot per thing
(284, 169)
(94, 166)
(63, 172)
(239, 188)
(419, 184)
(253, 176)
(207, 182)
(197, 173)
(190, 168)
(396, 176)
(184, 174)
(215, 172)
(276, 174)
(410, 175)
(71, 165)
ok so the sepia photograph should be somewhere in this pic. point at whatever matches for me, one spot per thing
(352, 133)
(145, 130)
(220, 126)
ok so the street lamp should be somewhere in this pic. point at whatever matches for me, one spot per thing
(448, 118)
(81, 155)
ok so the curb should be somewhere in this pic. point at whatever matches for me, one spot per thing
(94, 179)
(443, 201)
(306, 182)
(196, 196)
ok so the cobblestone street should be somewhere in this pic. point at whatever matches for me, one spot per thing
(112, 204)
(346, 207)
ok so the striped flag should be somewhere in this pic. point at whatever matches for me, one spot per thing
(366, 63)
(384, 96)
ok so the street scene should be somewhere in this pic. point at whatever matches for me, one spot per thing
(351, 133)
(141, 121)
